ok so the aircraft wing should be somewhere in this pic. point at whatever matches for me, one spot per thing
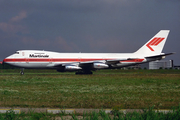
(113, 61)
(87, 63)
(90, 64)
(64, 64)
(99, 63)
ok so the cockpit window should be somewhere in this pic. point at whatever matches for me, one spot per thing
(16, 52)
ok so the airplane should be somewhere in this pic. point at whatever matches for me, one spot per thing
(85, 63)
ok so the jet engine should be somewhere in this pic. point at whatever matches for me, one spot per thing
(100, 65)
(71, 67)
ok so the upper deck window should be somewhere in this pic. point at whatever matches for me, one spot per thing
(16, 52)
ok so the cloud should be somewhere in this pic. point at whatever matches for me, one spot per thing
(19, 17)
(12, 27)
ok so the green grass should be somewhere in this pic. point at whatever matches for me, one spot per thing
(135, 89)
(147, 114)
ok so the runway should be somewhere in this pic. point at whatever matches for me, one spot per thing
(73, 110)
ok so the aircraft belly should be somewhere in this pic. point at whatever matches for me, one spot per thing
(32, 65)
(11, 63)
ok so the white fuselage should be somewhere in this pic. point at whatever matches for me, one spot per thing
(47, 59)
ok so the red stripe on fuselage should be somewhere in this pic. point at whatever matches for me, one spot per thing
(62, 60)
(50, 60)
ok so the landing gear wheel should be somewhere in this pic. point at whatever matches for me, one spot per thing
(22, 71)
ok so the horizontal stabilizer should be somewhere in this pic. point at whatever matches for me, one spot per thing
(160, 55)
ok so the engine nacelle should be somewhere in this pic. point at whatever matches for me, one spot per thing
(71, 67)
(100, 65)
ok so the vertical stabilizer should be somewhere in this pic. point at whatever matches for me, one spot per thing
(155, 45)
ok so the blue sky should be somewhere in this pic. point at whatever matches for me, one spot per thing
(87, 26)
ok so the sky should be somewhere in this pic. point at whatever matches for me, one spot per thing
(92, 26)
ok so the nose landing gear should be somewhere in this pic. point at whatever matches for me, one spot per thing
(22, 71)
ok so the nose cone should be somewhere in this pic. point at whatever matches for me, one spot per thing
(4, 61)
(8, 59)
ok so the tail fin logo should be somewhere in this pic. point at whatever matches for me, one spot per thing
(154, 42)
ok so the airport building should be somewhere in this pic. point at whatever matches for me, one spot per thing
(159, 64)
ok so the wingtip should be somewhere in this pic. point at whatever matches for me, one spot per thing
(169, 53)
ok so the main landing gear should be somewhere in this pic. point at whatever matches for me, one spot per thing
(22, 71)
(84, 73)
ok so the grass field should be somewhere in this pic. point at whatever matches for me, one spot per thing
(135, 89)
(147, 114)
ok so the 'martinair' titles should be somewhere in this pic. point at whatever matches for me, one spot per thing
(41, 56)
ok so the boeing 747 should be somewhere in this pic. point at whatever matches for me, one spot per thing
(85, 63)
